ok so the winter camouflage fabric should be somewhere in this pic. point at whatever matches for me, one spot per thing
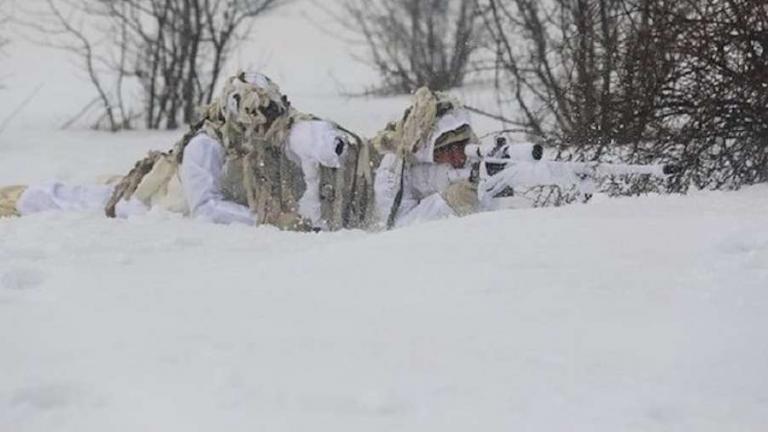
(127, 186)
(347, 192)
(259, 174)
(9, 196)
(244, 116)
(415, 129)
(253, 123)
(464, 134)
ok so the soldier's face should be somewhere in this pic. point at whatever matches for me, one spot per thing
(452, 155)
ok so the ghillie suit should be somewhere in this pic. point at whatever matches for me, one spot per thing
(410, 136)
(346, 192)
(430, 123)
(252, 120)
(9, 196)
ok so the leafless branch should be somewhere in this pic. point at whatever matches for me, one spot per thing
(413, 43)
(175, 50)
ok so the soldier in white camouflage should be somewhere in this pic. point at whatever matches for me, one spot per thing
(424, 173)
(253, 159)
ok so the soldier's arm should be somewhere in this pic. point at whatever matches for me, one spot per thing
(201, 171)
(446, 192)
(313, 143)
(316, 142)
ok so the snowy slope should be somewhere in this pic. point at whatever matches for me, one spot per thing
(641, 314)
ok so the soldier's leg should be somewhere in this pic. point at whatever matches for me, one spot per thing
(61, 196)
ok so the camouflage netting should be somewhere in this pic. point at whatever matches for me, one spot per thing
(347, 192)
(417, 125)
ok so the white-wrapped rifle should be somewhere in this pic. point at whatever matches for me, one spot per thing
(499, 169)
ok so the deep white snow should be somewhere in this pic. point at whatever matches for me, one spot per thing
(636, 314)
(642, 314)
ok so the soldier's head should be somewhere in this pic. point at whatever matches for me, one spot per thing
(439, 125)
(252, 100)
(451, 134)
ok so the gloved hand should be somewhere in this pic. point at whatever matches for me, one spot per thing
(433, 178)
(461, 196)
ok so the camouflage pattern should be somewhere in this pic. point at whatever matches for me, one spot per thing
(461, 197)
(410, 137)
(9, 196)
(128, 185)
(271, 184)
(161, 187)
(258, 174)
(463, 134)
(347, 192)
(415, 128)
(253, 123)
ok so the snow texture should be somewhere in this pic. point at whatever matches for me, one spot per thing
(634, 314)
(644, 314)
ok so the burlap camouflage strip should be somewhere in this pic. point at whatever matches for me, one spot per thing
(9, 196)
(245, 115)
(415, 127)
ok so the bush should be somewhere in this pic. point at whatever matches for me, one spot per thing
(414, 43)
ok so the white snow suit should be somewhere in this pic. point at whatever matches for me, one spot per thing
(430, 191)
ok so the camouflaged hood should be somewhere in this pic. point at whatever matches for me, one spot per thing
(434, 119)
(250, 106)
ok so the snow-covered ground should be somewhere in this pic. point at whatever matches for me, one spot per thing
(643, 314)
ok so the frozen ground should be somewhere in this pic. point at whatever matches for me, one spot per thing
(644, 314)
(624, 315)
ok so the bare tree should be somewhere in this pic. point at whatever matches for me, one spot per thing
(4, 19)
(584, 72)
(174, 49)
(414, 43)
(181, 47)
(63, 24)
(641, 81)
(721, 96)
